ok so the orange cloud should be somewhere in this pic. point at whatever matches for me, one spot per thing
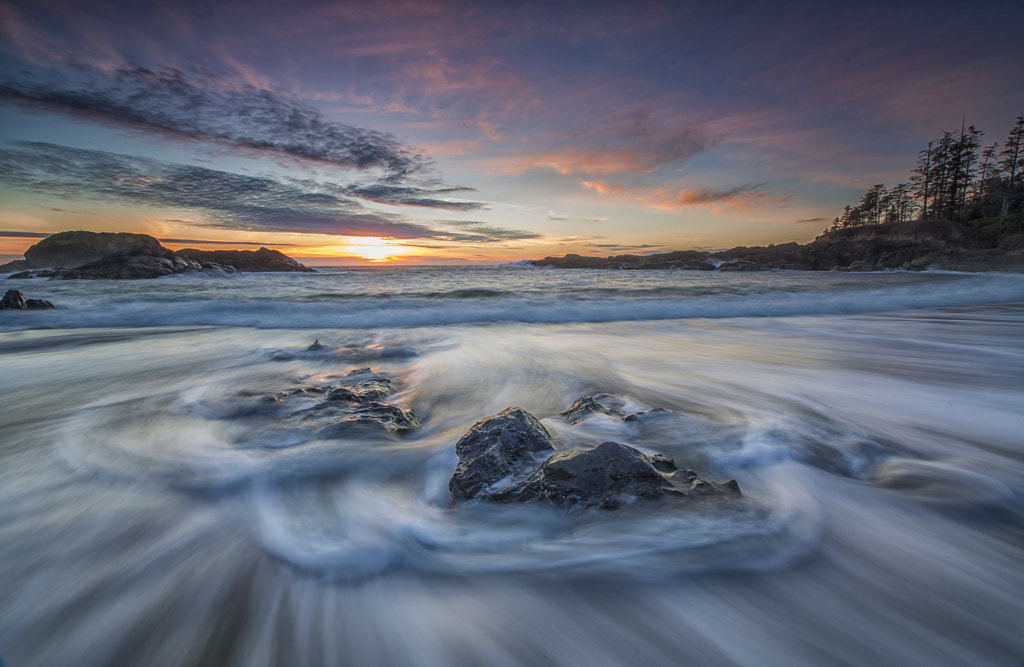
(743, 196)
(603, 187)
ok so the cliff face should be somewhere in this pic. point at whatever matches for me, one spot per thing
(910, 246)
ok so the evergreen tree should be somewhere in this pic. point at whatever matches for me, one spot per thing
(1012, 167)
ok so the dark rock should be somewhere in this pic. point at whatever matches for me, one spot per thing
(340, 419)
(14, 265)
(316, 347)
(118, 256)
(72, 249)
(496, 448)
(248, 261)
(605, 477)
(595, 477)
(134, 265)
(503, 449)
(342, 394)
(662, 463)
(13, 300)
(643, 414)
(36, 273)
(587, 405)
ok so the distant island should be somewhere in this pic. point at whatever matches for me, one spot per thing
(909, 246)
(126, 256)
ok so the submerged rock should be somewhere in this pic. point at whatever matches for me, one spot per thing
(496, 448)
(503, 448)
(587, 405)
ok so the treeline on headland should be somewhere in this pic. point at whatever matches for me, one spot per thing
(956, 178)
(962, 210)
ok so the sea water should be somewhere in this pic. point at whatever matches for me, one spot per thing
(873, 422)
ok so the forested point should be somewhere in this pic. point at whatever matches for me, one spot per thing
(956, 178)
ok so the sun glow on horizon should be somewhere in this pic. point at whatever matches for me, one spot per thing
(369, 248)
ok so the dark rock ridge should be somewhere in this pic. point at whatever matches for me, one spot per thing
(123, 256)
(911, 246)
(14, 300)
(498, 463)
(263, 260)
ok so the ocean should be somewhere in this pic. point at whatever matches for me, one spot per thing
(152, 514)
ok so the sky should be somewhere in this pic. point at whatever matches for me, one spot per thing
(469, 132)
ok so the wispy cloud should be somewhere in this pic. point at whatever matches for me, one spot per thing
(240, 118)
(24, 235)
(638, 140)
(221, 199)
(741, 196)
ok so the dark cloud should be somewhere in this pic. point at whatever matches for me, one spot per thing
(383, 193)
(615, 246)
(231, 243)
(25, 235)
(211, 110)
(713, 195)
(482, 232)
(815, 220)
(223, 199)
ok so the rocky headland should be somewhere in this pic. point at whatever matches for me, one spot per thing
(125, 256)
(909, 246)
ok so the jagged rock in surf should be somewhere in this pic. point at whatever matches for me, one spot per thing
(608, 475)
(587, 405)
(14, 300)
(337, 419)
(498, 463)
(496, 448)
(373, 389)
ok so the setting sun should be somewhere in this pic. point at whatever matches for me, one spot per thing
(369, 248)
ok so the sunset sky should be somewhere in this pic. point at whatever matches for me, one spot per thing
(480, 132)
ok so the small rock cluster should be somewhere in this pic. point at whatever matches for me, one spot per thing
(14, 300)
(351, 406)
(510, 458)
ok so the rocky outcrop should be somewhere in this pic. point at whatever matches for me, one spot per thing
(498, 462)
(134, 265)
(497, 448)
(909, 246)
(123, 256)
(14, 300)
(247, 261)
(71, 249)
